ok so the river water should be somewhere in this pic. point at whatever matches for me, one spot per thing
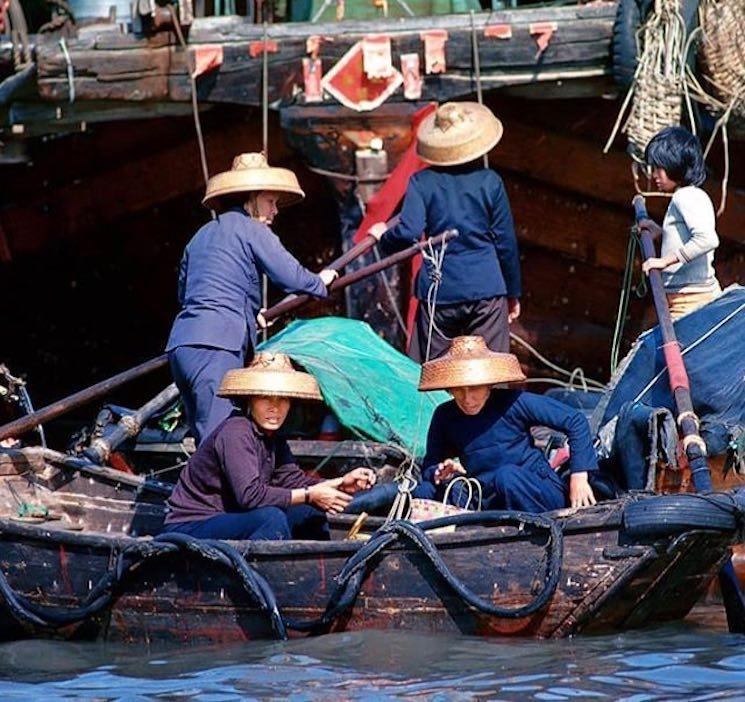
(691, 660)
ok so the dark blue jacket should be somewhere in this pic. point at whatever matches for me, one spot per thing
(500, 434)
(219, 284)
(483, 261)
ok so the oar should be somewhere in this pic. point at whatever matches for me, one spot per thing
(20, 426)
(27, 423)
(693, 444)
(291, 305)
(359, 249)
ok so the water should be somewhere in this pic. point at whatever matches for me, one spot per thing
(692, 660)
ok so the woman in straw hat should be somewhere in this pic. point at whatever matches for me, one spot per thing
(480, 287)
(484, 433)
(243, 482)
(220, 283)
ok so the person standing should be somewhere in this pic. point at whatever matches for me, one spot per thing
(219, 286)
(689, 236)
(480, 288)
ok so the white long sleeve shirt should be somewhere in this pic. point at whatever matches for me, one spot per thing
(689, 231)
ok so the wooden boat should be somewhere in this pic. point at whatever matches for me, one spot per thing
(89, 568)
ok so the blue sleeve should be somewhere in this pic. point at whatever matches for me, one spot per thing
(411, 223)
(183, 266)
(532, 410)
(281, 266)
(502, 229)
(438, 447)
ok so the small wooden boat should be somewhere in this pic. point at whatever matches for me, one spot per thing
(81, 563)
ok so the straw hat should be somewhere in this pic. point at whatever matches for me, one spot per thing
(269, 374)
(457, 132)
(469, 362)
(251, 173)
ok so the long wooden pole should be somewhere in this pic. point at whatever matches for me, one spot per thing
(30, 421)
(287, 306)
(688, 422)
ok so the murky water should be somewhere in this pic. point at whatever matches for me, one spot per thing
(692, 660)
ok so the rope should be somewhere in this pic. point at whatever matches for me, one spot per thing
(194, 99)
(70, 72)
(656, 90)
(689, 348)
(355, 570)
(348, 582)
(623, 301)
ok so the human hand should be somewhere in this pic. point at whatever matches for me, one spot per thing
(513, 309)
(261, 320)
(377, 230)
(580, 492)
(658, 263)
(447, 469)
(358, 479)
(650, 226)
(328, 276)
(326, 497)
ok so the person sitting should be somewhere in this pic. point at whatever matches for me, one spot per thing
(243, 482)
(484, 433)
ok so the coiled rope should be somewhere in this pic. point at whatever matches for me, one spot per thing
(348, 581)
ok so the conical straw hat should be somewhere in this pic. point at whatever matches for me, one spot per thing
(251, 173)
(269, 374)
(457, 132)
(469, 362)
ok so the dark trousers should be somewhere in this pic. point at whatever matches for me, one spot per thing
(509, 487)
(487, 318)
(260, 524)
(197, 372)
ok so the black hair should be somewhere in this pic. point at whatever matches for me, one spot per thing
(679, 152)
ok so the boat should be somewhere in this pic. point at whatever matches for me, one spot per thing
(87, 567)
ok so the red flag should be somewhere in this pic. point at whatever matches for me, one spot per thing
(384, 203)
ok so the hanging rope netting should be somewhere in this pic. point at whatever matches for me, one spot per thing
(656, 92)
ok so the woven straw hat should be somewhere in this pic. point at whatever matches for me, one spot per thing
(469, 362)
(458, 132)
(269, 374)
(251, 173)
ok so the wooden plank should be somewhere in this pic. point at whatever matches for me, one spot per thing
(581, 42)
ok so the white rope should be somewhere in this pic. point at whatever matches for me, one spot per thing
(578, 372)
(70, 72)
(690, 348)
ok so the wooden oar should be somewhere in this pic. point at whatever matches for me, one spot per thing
(20, 426)
(359, 249)
(693, 444)
(287, 306)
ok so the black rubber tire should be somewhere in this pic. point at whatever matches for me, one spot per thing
(630, 14)
(669, 515)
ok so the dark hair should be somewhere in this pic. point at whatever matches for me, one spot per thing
(679, 152)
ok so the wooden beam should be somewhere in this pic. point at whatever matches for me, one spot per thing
(109, 65)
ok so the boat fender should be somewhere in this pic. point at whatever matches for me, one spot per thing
(670, 515)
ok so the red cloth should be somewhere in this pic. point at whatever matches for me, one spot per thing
(385, 202)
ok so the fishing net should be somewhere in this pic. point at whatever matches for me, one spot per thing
(369, 385)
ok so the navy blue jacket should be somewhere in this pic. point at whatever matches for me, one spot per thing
(483, 261)
(500, 434)
(219, 284)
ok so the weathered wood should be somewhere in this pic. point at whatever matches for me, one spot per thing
(115, 66)
(603, 586)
